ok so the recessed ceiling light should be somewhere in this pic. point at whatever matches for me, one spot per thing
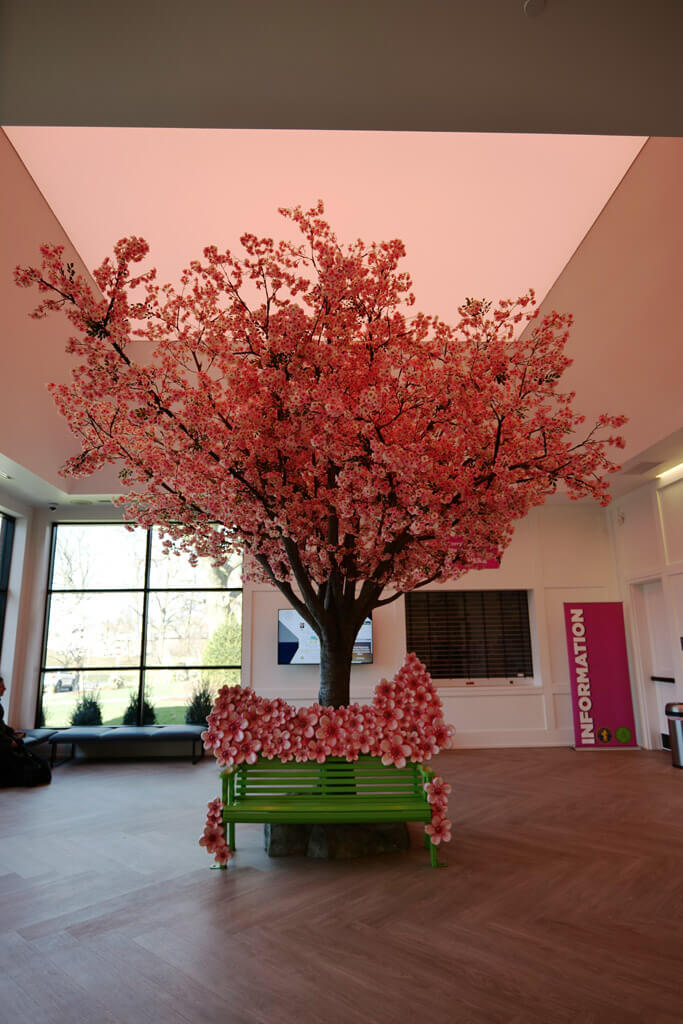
(532, 8)
(5, 476)
(670, 473)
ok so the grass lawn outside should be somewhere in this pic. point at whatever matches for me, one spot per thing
(58, 708)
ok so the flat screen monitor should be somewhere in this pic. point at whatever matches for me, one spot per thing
(297, 644)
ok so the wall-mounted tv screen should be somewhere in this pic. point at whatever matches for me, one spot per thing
(297, 644)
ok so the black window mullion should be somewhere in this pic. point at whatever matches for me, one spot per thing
(46, 626)
(145, 615)
(141, 590)
(6, 544)
(132, 668)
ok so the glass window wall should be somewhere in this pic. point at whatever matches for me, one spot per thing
(134, 636)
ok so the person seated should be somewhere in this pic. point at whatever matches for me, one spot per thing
(19, 766)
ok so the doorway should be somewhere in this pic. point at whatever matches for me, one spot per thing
(653, 636)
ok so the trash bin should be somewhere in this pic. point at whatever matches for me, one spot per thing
(674, 714)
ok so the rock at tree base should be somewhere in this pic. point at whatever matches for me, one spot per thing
(286, 840)
(336, 842)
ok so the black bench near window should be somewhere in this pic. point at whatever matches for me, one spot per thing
(79, 735)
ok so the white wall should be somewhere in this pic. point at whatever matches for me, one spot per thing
(32, 433)
(559, 553)
(647, 528)
(11, 668)
(22, 644)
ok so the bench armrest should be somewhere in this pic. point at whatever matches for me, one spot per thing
(228, 786)
(426, 773)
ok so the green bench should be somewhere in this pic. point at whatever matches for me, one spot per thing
(336, 791)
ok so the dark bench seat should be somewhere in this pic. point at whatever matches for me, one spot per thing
(78, 734)
(270, 792)
(34, 737)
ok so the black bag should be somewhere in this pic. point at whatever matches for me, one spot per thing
(19, 766)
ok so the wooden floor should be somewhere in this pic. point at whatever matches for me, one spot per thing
(562, 901)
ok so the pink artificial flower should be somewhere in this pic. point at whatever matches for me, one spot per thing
(389, 716)
(306, 721)
(439, 830)
(212, 835)
(330, 731)
(384, 689)
(318, 751)
(395, 751)
(211, 738)
(215, 810)
(248, 749)
(355, 718)
(281, 739)
(437, 790)
(423, 698)
(442, 734)
(223, 854)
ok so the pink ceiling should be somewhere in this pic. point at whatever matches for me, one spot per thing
(481, 214)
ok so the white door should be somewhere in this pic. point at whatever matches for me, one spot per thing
(654, 642)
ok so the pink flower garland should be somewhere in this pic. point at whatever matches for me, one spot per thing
(213, 836)
(403, 723)
(439, 829)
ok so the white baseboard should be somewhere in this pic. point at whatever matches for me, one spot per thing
(513, 738)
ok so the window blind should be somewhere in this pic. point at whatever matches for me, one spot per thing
(470, 634)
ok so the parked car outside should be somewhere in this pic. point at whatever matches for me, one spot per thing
(65, 682)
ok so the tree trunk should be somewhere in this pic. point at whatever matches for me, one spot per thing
(341, 840)
(335, 669)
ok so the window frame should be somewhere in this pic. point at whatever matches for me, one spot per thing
(7, 525)
(146, 590)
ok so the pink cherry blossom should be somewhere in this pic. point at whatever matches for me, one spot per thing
(287, 401)
(395, 751)
(389, 716)
(213, 837)
(439, 830)
(330, 731)
(307, 719)
(223, 854)
(385, 689)
(437, 789)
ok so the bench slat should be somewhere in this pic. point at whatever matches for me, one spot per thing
(327, 766)
(300, 816)
(353, 786)
(304, 810)
(404, 787)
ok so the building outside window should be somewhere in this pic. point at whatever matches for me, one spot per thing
(132, 633)
(470, 634)
(6, 543)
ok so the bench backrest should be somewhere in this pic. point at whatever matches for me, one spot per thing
(365, 777)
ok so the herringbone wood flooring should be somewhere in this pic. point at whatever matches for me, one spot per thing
(562, 902)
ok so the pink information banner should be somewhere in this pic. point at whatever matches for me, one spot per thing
(598, 669)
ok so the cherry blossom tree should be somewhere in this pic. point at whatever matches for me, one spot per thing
(288, 403)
